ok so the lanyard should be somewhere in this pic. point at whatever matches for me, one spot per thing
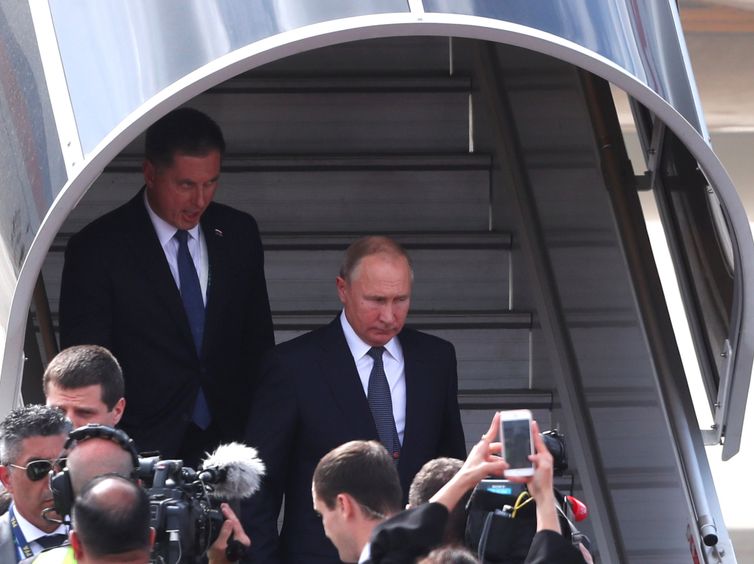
(22, 547)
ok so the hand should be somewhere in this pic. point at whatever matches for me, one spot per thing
(481, 462)
(231, 526)
(540, 485)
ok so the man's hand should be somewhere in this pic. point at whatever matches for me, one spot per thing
(541, 483)
(231, 526)
(481, 462)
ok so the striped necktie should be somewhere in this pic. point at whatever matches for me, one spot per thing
(381, 404)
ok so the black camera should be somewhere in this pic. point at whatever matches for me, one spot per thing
(184, 503)
(185, 518)
(500, 525)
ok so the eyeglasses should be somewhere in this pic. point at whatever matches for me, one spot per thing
(39, 469)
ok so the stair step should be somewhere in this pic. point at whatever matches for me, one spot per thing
(363, 193)
(500, 399)
(302, 321)
(453, 279)
(340, 241)
(340, 121)
(248, 162)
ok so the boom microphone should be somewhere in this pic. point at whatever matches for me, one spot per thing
(234, 470)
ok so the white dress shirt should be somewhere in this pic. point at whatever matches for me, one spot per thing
(196, 243)
(32, 533)
(392, 360)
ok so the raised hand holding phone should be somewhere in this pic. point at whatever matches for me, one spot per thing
(518, 445)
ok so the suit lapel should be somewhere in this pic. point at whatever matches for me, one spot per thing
(220, 267)
(340, 375)
(147, 252)
(416, 385)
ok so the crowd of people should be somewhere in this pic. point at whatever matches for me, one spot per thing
(168, 348)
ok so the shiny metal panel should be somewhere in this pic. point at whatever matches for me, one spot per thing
(643, 37)
(31, 163)
(119, 53)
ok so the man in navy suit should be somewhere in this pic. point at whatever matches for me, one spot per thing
(173, 285)
(317, 392)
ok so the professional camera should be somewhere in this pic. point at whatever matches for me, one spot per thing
(501, 523)
(185, 518)
(185, 503)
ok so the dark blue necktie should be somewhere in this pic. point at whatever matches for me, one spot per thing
(191, 294)
(51, 541)
(381, 404)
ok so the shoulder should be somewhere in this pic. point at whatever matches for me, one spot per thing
(312, 341)
(112, 223)
(219, 216)
(58, 555)
(411, 338)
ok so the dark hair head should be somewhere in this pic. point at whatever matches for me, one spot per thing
(184, 131)
(428, 481)
(111, 516)
(430, 478)
(29, 421)
(367, 246)
(365, 471)
(86, 365)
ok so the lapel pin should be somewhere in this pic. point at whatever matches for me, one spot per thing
(218, 233)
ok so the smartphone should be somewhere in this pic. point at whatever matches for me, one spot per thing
(515, 434)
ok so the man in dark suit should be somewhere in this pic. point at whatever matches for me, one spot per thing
(363, 376)
(173, 284)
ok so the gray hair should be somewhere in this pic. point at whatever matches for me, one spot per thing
(29, 421)
(368, 246)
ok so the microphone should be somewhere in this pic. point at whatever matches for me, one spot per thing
(234, 470)
(579, 508)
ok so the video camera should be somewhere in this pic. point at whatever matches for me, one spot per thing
(184, 503)
(185, 513)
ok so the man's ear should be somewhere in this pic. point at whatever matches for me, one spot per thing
(78, 550)
(341, 284)
(118, 409)
(5, 478)
(152, 535)
(347, 505)
(148, 169)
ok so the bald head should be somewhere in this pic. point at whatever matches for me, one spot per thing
(95, 457)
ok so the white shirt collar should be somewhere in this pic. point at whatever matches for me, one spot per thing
(366, 552)
(30, 531)
(359, 348)
(165, 231)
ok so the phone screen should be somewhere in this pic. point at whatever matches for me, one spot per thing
(517, 445)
